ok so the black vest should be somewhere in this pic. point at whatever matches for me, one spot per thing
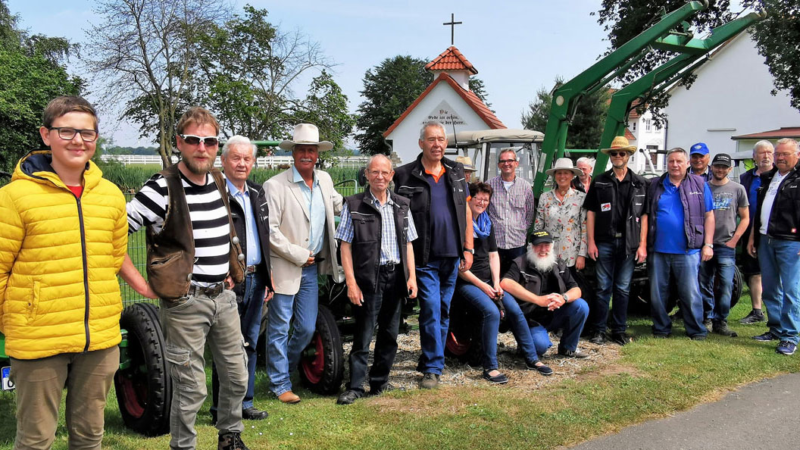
(531, 280)
(605, 189)
(367, 229)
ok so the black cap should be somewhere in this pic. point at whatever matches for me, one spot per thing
(541, 237)
(722, 159)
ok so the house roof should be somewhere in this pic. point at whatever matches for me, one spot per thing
(451, 60)
(469, 97)
(780, 133)
(629, 136)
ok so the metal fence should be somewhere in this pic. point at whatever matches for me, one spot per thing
(264, 162)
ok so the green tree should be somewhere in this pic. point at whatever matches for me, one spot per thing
(390, 88)
(250, 70)
(144, 52)
(778, 40)
(586, 126)
(32, 73)
(326, 107)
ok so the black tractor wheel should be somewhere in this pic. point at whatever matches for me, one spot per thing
(322, 362)
(142, 383)
(736, 290)
(464, 336)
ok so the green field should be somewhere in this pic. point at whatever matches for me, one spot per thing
(653, 378)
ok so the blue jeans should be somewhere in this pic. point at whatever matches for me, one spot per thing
(474, 296)
(571, 317)
(685, 268)
(780, 278)
(724, 263)
(436, 282)
(250, 307)
(283, 353)
(614, 271)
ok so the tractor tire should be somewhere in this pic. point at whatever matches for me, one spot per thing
(144, 388)
(322, 362)
(736, 290)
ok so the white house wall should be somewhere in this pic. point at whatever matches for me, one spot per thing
(731, 96)
(405, 138)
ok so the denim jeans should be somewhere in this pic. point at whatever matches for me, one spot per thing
(283, 352)
(188, 326)
(685, 268)
(724, 263)
(436, 282)
(780, 278)
(250, 307)
(571, 317)
(383, 306)
(614, 271)
(490, 324)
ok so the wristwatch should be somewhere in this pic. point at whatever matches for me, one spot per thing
(471, 250)
(566, 299)
(711, 246)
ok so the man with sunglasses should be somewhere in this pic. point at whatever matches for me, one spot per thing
(512, 208)
(617, 233)
(194, 258)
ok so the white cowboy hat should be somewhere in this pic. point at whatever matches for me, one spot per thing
(563, 164)
(306, 134)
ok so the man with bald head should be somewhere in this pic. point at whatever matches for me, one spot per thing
(375, 235)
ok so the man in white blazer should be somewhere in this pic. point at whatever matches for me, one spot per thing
(302, 203)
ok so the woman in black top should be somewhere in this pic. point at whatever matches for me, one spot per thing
(480, 288)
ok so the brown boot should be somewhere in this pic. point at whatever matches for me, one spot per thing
(289, 397)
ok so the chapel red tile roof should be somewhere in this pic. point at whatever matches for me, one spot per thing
(451, 59)
(783, 132)
(629, 136)
(469, 97)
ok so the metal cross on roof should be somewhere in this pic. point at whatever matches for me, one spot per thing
(452, 24)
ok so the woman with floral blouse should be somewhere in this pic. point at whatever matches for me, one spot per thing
(561, 213)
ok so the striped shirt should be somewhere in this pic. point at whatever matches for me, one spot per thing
(210, 225)
(511, 211)
(390, 251)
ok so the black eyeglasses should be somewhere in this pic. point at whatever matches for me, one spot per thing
(617, 153)
(209, 141)
(68, 133)
(507, 161)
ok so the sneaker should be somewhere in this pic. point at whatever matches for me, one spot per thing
(722, 329)
(539, 367)
(753, 317)
(620, 338)
(567, 353)
(348, 397)
(231, 441)
(786, 348)
(768, 336)
(708, 323)
(497, 379)
(429, 381)
(598, 337)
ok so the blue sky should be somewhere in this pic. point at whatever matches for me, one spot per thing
(517, 46)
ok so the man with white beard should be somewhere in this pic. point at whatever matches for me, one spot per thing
(548, 295)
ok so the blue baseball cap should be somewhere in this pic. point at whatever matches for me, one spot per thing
(699, 149)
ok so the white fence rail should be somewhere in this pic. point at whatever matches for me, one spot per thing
(269, 162)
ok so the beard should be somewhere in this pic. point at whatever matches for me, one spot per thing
(543, 265)
(199, 168)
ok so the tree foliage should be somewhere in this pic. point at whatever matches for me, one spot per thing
(144, 53)
(586, 127)
(326, 107)
(390, 88)
(32, 73)
(778, 40)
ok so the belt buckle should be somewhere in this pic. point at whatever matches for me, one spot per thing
(390, 266)
(251, 269)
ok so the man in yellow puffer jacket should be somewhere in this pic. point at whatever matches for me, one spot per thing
(63, 238)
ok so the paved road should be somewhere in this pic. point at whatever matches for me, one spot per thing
(763, 415)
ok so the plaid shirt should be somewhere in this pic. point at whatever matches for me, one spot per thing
(390, 251)
(511, 212)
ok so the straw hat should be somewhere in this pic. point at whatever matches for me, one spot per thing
(466, 161)
(620, 143)
(306, 134)
(563, 164)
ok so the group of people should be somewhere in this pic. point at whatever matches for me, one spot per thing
(221, 247)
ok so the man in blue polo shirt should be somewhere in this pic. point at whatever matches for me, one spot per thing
(681, 208)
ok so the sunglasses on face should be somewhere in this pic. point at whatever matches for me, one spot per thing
(68, 133)
(209, 141)
(622, 153)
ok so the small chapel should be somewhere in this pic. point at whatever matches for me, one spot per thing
(448, 100)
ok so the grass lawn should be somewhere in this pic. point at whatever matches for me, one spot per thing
(653, 378)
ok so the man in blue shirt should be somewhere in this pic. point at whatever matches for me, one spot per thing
(681, 209)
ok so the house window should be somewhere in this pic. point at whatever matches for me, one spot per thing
(647, 125)
(634, 126)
